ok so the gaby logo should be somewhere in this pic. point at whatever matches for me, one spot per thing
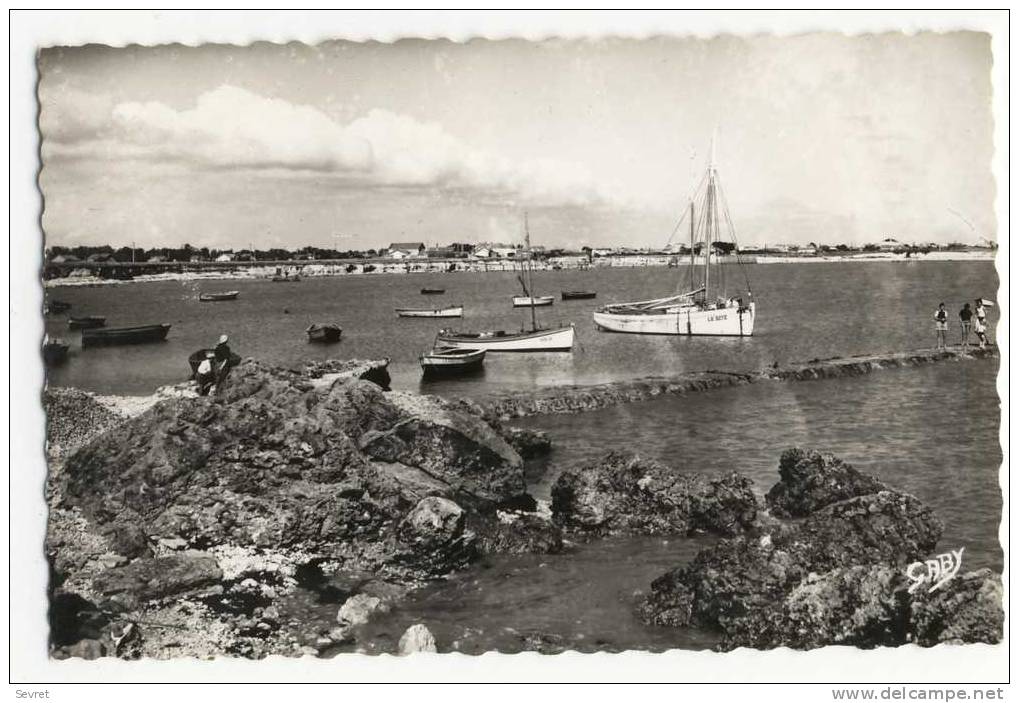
(937, 571)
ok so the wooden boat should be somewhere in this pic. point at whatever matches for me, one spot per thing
(216, 297)
(452, 311)
(124, 335)
(534, 340)
(55, 307)
(703, 310)
(579, 294)
(527, 301)
(451, 361)
(54, 352)
(324, 333)
(86, 323)
(433, 291)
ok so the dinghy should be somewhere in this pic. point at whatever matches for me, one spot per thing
(54, 352)
(451, 361)
(579, 294)
(216, 297)
(432, 291)
(324, 334)
(86, 323)
(142, 334)
(452, 311)
(526, 301)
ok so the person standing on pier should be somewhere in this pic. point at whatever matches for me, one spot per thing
(941, 325)
(980, 313)
(966, 320)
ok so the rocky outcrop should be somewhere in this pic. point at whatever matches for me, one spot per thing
(417, 638)
(577, 399)
(629, 494)
(157, 578)
(73, 417)
(529, 444)
(738, 576)
(811, 480)
(516, 532)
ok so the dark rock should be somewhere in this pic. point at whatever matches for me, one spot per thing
(969, 608)
(811, 480)
(738, 576)
(628, 494)
(516, 533)
(433, 539)
(529, 444)
(543, 643)
(129, 539)
(160, 577)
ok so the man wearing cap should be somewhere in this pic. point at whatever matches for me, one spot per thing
(223, 355)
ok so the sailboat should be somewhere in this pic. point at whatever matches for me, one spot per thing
(533, 340)
(705, 308)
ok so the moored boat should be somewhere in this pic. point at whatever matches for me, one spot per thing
(433, 291)
(286, 279)
(451, 361)
(216, 297)
(535, 340)
(124, 335)
(54, 352)
(86, 323)
(324, 333)
(452, 311)
(579, 294)
(708, 308)
(527, 301)
(55, 307)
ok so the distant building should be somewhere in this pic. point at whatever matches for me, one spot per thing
(483, 253)
(65, 259)
(504, 252)
(441, 253)
(156, 259)
(100, 258)
(401, 250)
(224, 258)
(461, 247)
(890, 244)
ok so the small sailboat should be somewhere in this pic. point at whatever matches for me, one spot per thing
(217, 297)
(534, 340)
(706, 308)
(451, 361)
(324, 333)
(452, 311)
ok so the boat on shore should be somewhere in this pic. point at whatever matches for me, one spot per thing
(54, 352)
(527, 301)
(216, 297)
(143, 334)
(86, 323)
(448, 361)
(707, 308)
(537, 339)
(433, 291)
(452, 311)
(579, 294)
(324, 333)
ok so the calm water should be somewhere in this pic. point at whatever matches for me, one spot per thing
(930, 431)
(804, 311)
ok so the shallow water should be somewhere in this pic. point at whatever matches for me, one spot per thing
(805, 311)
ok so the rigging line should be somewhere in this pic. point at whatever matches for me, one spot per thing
(732, 231)
(683, 216)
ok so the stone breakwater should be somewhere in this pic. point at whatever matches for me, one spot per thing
(578, 399)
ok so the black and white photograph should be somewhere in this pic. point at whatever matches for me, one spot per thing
(428, 346)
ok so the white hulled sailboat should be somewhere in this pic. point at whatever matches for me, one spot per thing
(706, 308)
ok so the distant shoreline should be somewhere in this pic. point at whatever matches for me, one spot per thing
(311, 269)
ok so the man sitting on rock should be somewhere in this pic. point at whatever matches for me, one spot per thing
(225, 359)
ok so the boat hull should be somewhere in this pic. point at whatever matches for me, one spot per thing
(444, 363)
(722, 322)
(124, 335)
(54, 353)
(579, 294)
(324, 334)
(86, 323)
(521, 301)
(433, 291)
(217, 297)
(457, 311)
(558, 339)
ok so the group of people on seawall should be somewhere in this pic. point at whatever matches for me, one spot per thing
(971, 320)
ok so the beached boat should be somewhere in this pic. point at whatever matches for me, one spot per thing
(452, 311)
(86, 323)
(433, 291)
(534, 340)
(707, 308)
(579, 294)
(451, 361)
(537, 301)
(324, 333)
(286, 279)
(54, 352)
(216, 297)
(55, 307)
(124, 335)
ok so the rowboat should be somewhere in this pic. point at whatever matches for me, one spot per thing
(450, 361)
(527, 301)
(548, 339)
(708, 308)
(324, 334)
(286, 279)
(124, 335)
(216, 297)
(86, 323)
(432, 291)
(54, 352)
(55, 307)
(453, 311)
(579, 294)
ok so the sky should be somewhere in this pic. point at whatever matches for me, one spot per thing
(819, 138)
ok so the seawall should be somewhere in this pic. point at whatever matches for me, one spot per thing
(577, 399)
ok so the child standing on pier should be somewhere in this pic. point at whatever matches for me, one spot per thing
(941, 325)
(965, 319)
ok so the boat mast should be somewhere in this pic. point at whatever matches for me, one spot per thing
(709, 219)
(530, 264)
(693, 257)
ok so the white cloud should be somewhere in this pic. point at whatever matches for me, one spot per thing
(230, 127)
